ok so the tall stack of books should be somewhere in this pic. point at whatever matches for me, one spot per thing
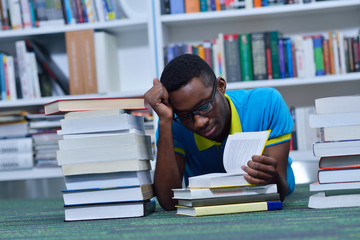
(105, 157)
(339, 150)
(224, 193)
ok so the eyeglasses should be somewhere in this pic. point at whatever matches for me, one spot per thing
(202, 110)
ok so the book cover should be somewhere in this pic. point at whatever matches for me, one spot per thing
(339, 175)
(340, 133)
(339, 162)
(336, 148)
(334, 119)
(338, 104)
(84, 104)
(245, 57)
(316, 186)
(318, 55)
(12, 161)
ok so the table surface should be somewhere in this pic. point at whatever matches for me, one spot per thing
(44, 219)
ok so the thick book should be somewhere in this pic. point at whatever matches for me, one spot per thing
(340, 162)
(201, 193)
(340, 133)
(85, 104)
(258, 51)
(339, 175)
(107, 180)
(338, 104)
(336, 148)
(16, 145)
(192, 6)
(14, 129)
(316, 186)
(101, 124)
(318, 55)
(109, 210)
(232, 57)
(104, 154)
(13, 161)
(229, 208)
(334, 119)
(93, 113)
(320, 200)
(102, 195)
(245, 57)
(229, 200)
(274, 49)
(105, 167)
(105, 141)
(239, 148)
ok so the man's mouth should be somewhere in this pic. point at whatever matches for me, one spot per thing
(208, 132)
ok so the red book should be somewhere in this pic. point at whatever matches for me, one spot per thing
(340, 162)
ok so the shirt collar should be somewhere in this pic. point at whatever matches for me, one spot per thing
(203, 143)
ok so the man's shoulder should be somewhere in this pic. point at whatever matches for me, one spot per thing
(255, 95)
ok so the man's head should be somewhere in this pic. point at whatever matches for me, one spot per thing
(197, 97)
(182, 69)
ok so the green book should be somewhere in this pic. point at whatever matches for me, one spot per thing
(245, 57)
(318, 55)
(274, 48)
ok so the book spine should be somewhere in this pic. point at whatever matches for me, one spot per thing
(11, 77)
(356, 54)
(24, 77)
(299, 56)
(246, 58)
(268, 56)
(331, 54)
(16, 161)
(15, 14)
(192, 6)
(203, 6)
(282, 58)
(326, 56)
(349, 54)
(258, 56)
(318, 55)
(274, 49)
(208, 54)
(165, 7)
(232, 57)
(177, 7)
(290, 70)
(73, 51)
(25, 11)
(5, 24)
(6, 79)
(19, 145)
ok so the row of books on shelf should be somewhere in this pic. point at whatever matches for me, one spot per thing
(105, 158)
(32, 73)
(271, 55)
(19, 14)
(339, 152)
(194, 6)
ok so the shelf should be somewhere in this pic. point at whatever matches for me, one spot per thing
(114, 26)
(295, 81)
(38, 102)
(34, 173)
(303, 156)
(263, 12)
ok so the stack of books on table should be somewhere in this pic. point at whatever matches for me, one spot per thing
(105, 158)
(224, 193)
(339, 166)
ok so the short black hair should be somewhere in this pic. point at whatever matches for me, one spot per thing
(182, 69)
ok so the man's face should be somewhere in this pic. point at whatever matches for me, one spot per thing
(195, 98)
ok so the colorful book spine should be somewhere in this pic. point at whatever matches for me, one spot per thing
(326, 56)
(318, 55)
(259, 56)
(177, 7)
(289, 62)
(282, 58)
(268, 56)
(245, 58)
(274, 48)
(192, 6)
(232, 57)
(203, 6)
(2, 78)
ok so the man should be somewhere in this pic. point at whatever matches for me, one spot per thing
(195, 118)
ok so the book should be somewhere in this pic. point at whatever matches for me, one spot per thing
(258, 51)
(176, 6)
(339, 162)
(316, 186)
(318, 55)
(229, 208)
(107, 180)
(245, 57)
(105, 141)
(339, 175)
(92, 113)
(232, 57)
(101, 124)
(274, 49)
(305, 136)
(15, 145)
(334, 119)
(192, 6)
(102, 195)
(105, 167)
(12, 161)
(109, 210)
(338, 104)
(201, 193)
(340, 133)
(14, 129)
(336, 148)
(239, 149)
(107, 62)
(229, 200)
(71, 105)
(320, 200)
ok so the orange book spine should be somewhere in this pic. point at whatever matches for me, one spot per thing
(326, 56)
(331, 54)
(192, 6)
(257, 3)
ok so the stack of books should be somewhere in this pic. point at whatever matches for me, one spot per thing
(105, 158)
(339, 150)
(224, 193)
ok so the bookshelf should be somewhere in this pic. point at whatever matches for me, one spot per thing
(141, 39)
(316, 17)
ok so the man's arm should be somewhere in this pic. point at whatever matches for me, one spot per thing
(169, 168)
(271, 167)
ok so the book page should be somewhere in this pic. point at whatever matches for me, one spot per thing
(240, 147)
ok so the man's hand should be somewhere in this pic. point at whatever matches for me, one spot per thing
(261, 170)
(158, 98)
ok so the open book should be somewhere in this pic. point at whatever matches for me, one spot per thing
(239, 149)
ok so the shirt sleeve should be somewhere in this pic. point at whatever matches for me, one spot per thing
(177, 137)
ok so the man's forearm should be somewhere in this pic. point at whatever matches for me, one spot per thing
(168, 173)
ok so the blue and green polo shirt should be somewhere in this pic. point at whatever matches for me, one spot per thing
(252, 110)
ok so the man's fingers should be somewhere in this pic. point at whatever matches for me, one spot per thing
(155, 81)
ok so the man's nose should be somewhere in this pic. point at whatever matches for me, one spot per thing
(200, 121)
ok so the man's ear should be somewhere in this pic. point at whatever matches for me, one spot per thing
(221, 85)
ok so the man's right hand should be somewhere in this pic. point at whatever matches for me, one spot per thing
(158, 98)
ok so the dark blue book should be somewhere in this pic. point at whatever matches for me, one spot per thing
(282, 58)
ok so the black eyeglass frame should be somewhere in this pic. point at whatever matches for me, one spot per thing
(191, 115)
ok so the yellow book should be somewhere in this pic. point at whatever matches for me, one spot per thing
(229, 208)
